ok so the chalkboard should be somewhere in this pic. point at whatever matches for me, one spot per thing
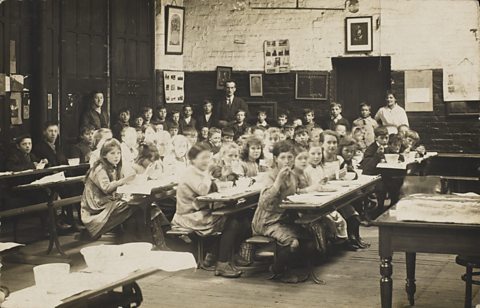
(311, 86)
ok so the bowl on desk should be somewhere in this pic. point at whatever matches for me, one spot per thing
(392, 158)
(74, 161)
(224, 185)
(98, 258)
(49, 276)
(350, 176)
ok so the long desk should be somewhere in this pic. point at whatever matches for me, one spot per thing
(419, 237)
(232, 201)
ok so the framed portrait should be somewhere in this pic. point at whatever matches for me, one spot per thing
(256, 85)
(174, 26)
(358, 34)
(224, 73)
(311, 86)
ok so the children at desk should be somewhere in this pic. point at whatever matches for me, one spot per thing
(251, 156)
(83, 148)
(227, 167)
(175, 164)
(193, 215)
(22, 158)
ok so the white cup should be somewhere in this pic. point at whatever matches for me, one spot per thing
(74, 161)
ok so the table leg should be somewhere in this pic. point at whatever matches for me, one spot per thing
(52, 225)
(410, 285)
(386, 283)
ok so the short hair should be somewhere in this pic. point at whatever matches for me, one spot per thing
(231, 81)
(307, 111)
(124, 109)
(146, 108)
(213, 130)
(341, 124)
(207, 101)
(394, 139)
(228, 131)
(197, 149)
(381, 131)
(282, 147)
(86, 128)
(240, 110)
(148, 151)
(20, 138)
(173, 125)
(365, 104)
(412, 134)
(403, 125)
(47, 124)
(251, 141)
(346, 142)
(258, 127)
(145, 127)
(390, 92)
(282, 114)
(300, 130)
(175, 111)
(186, 106)
(161, 107)
(259, 112)
(100, 134)
(335, 104)
(227, 147)
(328, 132)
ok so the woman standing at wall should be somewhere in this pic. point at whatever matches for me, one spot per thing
(391, 115)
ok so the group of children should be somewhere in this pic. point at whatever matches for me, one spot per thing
(295, 157)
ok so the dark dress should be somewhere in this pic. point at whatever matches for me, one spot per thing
(19, 161)
(95, 119)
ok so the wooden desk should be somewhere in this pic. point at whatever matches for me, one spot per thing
(52, 189)
(419, 237)
(231, 203)
(13, 175)
(329, 202)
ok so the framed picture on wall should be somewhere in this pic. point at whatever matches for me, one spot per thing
(311, 86)
(256, 84)
(174, 25)
(358, 34)
(463, 109)
(224, 73)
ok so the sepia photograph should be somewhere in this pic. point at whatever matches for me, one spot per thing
(239, 153)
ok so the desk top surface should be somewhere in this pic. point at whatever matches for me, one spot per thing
(10, 175)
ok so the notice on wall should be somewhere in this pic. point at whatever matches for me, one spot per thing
(13, 58)
(418, 91)
(173, 86)
(461, 82)
(49, 101)
(16, 108)
(26, 105)
(277, 56)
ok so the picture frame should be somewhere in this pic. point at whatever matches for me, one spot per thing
(224, 73)
(359, 34)
(463, 109)
(311, 86)
(256, 84)
(174, 29)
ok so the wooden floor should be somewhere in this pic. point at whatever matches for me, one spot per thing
(352, 281)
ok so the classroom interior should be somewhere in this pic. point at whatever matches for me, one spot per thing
(385, 92)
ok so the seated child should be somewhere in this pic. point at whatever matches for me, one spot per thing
(173, 129)
(282, 119)
(147, 114)
(163, 143)
(258, 131)
(336, 117)
(129, 148)
(84, 147)
(191, 134)
(301, 137)
(22, 157)
(148, 162)
(203, 134)
(240, 126)
(149, 133)
(402, 130)
(122, 121)
(289, 131)
(161, 116)
(101, 209)
(175, 118)
(193, 215)
(227, 135)
(251, 156)
(227, 167)
(99, 137)
(341, 130)
(214, 139)
(366, 122)
(309, 119)
(410, 144)
(176, 162)
(262, 119)
(297, 122)
(347, 148)
(358, 133)
(187, 119)
(375, 152)
(138, 122)
(315, 134)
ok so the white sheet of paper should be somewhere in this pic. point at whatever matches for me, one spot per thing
(417, 95)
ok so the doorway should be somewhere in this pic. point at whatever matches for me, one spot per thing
(361, 79)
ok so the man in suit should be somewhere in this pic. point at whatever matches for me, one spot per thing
(228, 106)
(207, 118)
(48, 147)
(95, 115)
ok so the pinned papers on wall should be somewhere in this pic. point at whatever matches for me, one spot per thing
(17, 82)
(16, 108)
(461, 82)
(13, 57)
(418, 91)
(174, 86)
(277, 56)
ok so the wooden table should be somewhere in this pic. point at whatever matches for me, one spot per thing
(51, 188)
(37, 172)
(419, 237)
(328, 202)
(231, 203)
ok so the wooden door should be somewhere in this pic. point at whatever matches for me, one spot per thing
(361, 80)
(132, 54)
(84, 60)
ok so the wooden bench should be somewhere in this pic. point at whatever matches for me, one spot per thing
(264, 247)
(199, 242)
(52, 224)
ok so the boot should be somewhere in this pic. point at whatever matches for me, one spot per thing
(225, 269)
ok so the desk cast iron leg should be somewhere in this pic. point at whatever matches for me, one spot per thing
(52, 224)
(410, 286)
(386, 282)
